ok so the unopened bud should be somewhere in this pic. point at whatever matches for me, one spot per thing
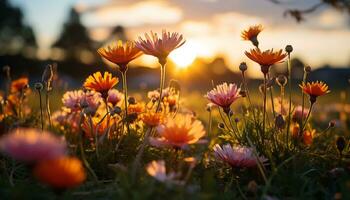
(38, 86)
(221, 125)
(307, 69)
(279, 122)
(243, 93)
(131, 100)
(243, 67)
(281, 80)
(341, 143)
(47, 74)
(331, 124)
(289, 48)
(117, 110)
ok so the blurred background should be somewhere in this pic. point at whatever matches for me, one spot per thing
(67, 32)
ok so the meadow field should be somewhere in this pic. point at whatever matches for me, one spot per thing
(280, 140)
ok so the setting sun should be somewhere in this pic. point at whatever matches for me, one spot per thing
(185, 55)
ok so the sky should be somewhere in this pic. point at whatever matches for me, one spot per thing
(211, 27)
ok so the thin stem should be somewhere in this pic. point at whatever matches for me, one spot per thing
(83, 157)
(271, 96)
(307, 118)
(210, 123)
(48, 107)
(162, 85)
(303, 97)
(289, 66)
(41, 111)
(248, 96)
(264, 108)
(125, 91)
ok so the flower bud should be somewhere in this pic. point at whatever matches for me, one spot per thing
(221, 125)
(38, 86)
(243, 67)
(331, 124)
(131, 100)
(243, 93)
(289, 48)
(341, 143)
(281, 80)
(279, 122)
(252, 187)
(47, 75)
(117, 110)
(307, 69)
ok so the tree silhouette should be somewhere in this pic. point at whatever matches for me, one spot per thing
(74, 39)
(15, 36)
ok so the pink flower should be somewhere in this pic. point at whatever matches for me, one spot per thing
(224, 95)
(31, 145)
(160, 47)
(237, 156)
(77, 99)
(178, 132)
(157, 170)
(114, 96)
(298, 113)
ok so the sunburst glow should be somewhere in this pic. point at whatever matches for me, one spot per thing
(185, 55)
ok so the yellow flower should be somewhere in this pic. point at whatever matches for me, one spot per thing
(64, 172)
(135, 108)
(265, 58)
(252, 33)
(308, 136)
(96, 126)
(99, 83)
(120, 53)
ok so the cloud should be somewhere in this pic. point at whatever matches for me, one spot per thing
(140, 13)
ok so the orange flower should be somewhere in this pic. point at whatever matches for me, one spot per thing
(160, 47)
(308, 136)
(265, 58)
(93, 128)
(252, 33)
(314, 89)
(119, 53)
(178, 132)
(152, 118)
(64, 172)
(135, 108)
(19, 85)
(100, 83)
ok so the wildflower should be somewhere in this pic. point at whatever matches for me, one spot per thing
(160, 47)
(298, 114)
(152, 118)
(238, 156)
(265, 58)
(295, 131)
(178, 132)
(251, 34)
(224, 95)
(59, 117)
(76, 100)
(135, 108)
(101, 84)
(19, 85)
(157, 170)
(60, 173)
(120, 54)
(314, 89)
(308, 136)
(114, 97)
(97, 126)
(30, 145)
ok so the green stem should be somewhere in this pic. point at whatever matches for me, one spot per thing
(125, 90)
(307, 118)
(264, 109)
(41, 111)
(162, 85)
(289, 66)
(303, 98)
(48, 107)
